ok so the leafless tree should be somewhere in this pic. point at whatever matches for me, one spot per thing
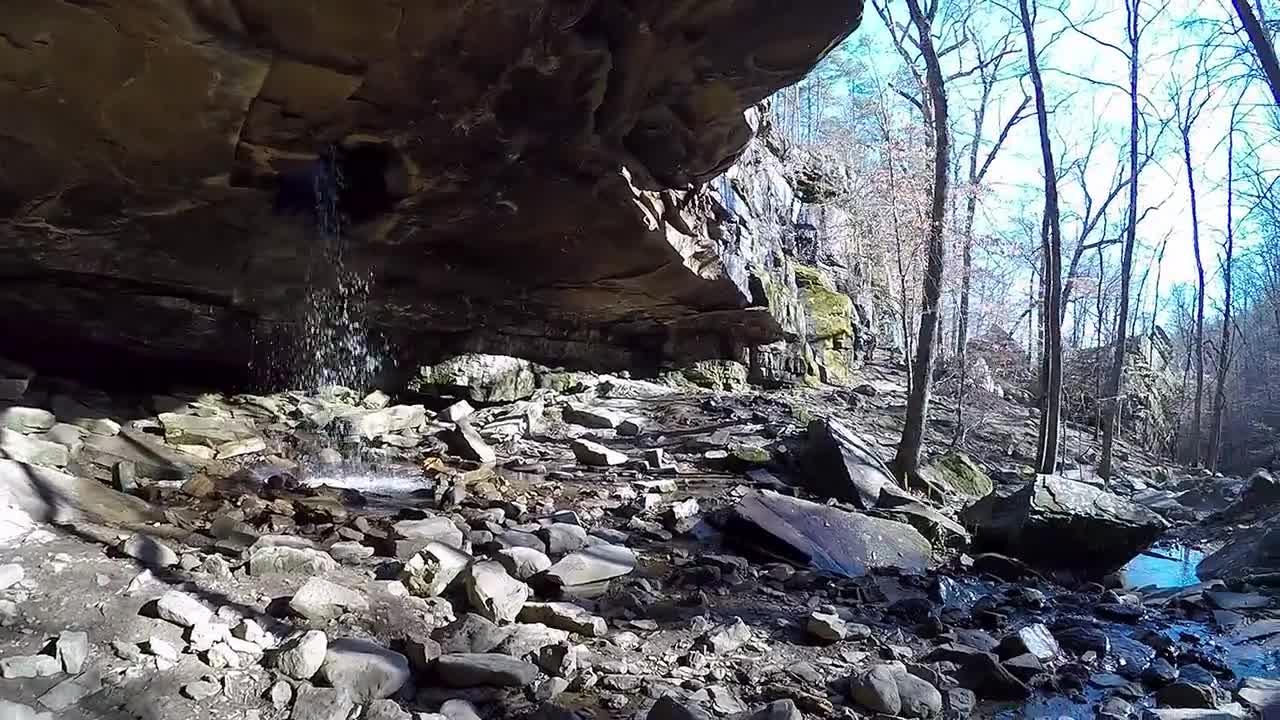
(1262, 46)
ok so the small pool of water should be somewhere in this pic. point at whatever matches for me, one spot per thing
(1164, 567)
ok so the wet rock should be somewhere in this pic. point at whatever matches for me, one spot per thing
(314, 703)
(280, 560)
(29, 666)
(843, 465)
(478, 377)
(827, 626)
(465, 441)
(1160, 673)
(378, 423)
(522, 563)
(464, 670)
(1034, 639)
(1082, 638)
(26, 420)
(1059, 523)
(493, 593)
(594, 564)
(10, 574)
(828, 538)
(1237, 601)
(301, 657)
(564, 616)
(668, 708)
(1119, 612)
(1002, 566)
(365, 670)
(182, 609)
(72, 649)
(1114, 708)
(959, 703)
(981, 672)
(593, 453)
(1024, 667)
(431, 572)
(1184, 694)
(1232, 711)
(320, 600)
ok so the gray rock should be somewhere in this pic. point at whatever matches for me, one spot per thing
(562, 538)
(465, 441)
(29, 666)
(589, 417)
(377, 423)
(300, 658)
(126, 651)
(280, 560)
(841, 464)
(470, 633)
(1059, 523)
(437, 529)
(10, 574)
(149, 551)
(366, 670)
(201, 690)
(592, 565)
(1259, 693)
(777, 710)
(431, 572)
(211, 432)
(12, 710)
(456, 710)
(1230, 711)
(493, 593)
(313, 703)
(890, 689)
(564, 616)
(72, 650)
(960, 703)
(68, 692)
(456, 412)
(826, 626)
(26, 449)
(478, 377)
(162, 648)
(1185, 694)
(281, 695)
(726, 638)
(422, 651)
(526, 639)
(631, 427)
(182, 609)
(385, 710)
(1034, 639)
(1115, 708)
(14, 379)
(320, 600)
(668, 708)
(548, 688)
(560, 660)
(595, 454)
(26, 420)
(350, 552)
(463, 670)
(523, 563)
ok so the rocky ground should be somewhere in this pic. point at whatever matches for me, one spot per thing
(511, 542)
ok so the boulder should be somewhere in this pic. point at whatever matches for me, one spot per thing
(456, 412)
(838, 463)
(595, 564)
(280, 560)
(477, 377)
(431, 572)
(589, 417)
(29, 666)
(464, 670)
(525, 640)
(434, 529)
(565, 616)
(182, 609)
(211, 432)
(320, 600)
(377, 423)
(72, 649)
(825, 537)
(365, 670)
(522, 563)
(956, 472)
(889, 689)
(26, 420)
(1250, 551)
(493, 593)
(315, 703)
(1058, 523)
(595, 454)
(301, 657)
(465, 441)
(1034, 639)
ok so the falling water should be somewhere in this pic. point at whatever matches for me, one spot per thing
(333, 347)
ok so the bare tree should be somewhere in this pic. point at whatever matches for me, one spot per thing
(1262, 47)
(1051, 244)
(1190, 101)
(1224, 343)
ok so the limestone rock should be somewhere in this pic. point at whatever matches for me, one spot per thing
(465, 441)
(26, 420)
(595, 564)
(210, 432)
(493, 593)
(301, 657)
(888, 688)
(456, 412)
(593, 453)
(27, 449)
(280, 560)
(438, 529)
(589, 417)
(827, 626)
(320, 600)
(201, 690)
(522, 563)
(464, 670)
(365, 670)
(350, 552)
(434, 570)
(72, 650)
(182, 609)
(29, 666)
(478, 377)
(565, 616)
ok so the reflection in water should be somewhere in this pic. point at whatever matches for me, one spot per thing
(1167, 566)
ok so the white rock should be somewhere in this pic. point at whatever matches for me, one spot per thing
(523, 563)
(593, 453)
(493, 593)
(301, 657)
(440, 529)
(456, 411)
(182, 609)
(29, 666)
(207, 634)
(162, 649)
(10, 574)
(280, 560)
(350, 552)
(366, 670)
(148, 551)
(320, 600)
(564, 616)
(223, 656)
(26, 420)
(236, 448)
(594, 564)
(26, 449)
(434, 570)
(72, 650)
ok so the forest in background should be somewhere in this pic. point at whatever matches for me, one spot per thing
(1049, 177)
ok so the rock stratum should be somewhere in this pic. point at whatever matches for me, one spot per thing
(519, 177)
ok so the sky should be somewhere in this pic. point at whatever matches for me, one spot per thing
(1169, 58)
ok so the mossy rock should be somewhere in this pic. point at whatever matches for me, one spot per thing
(728, 375)
(830, 311)
(956, 472)
(751, 455)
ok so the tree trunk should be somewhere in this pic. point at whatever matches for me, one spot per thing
(1115, 381)
(1197, 405)
(1224, 343)
(966, 261)
(1262, 46)
(1051, 232)
(908, 459)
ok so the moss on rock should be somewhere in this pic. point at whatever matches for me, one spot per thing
(958, 473)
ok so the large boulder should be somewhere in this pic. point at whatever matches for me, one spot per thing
(1251, 551)
(841, 464)
(478, 377)
(956, 472)
(825, 537)
(1057, 523)
(513, 175)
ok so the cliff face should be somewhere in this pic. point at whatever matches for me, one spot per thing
(515, 175)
